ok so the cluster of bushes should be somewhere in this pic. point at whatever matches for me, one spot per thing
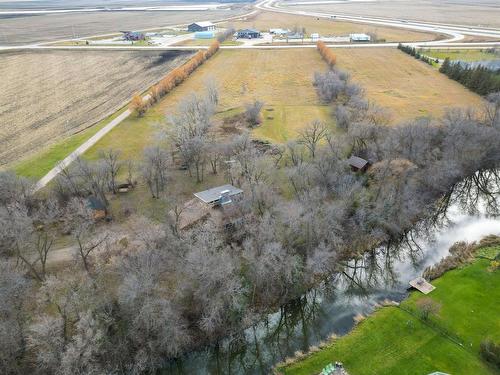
(327, 54)
(172, 79)
(490, 352)
(479, 79)
(412, 51)
(460, 253)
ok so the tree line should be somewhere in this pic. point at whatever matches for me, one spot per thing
(412, 51)
(479, 79)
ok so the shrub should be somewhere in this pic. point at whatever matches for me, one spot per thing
(428, 307)
(138, 105)
(252, 113)
(490, 352)
(327, 54)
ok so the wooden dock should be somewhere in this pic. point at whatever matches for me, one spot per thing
(422, 285)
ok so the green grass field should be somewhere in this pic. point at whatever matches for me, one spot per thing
(393, 341)
(462, 54)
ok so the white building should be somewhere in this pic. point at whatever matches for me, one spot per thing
(360, 37)
(314, 37)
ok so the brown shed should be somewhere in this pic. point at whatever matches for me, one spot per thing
(358, 164)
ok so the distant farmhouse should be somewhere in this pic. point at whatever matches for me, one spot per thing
(360, 37)
(219, 196)
(278, 32)
(248, 34)
(133, 36)
(201, 26)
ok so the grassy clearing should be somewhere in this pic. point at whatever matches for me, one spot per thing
(462, 54)
(266, 20)
(394, 342)
(407, 87)
(273, 77)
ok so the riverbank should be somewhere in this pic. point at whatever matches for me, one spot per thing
(399, 340)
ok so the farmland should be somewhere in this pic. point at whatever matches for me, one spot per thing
(51, 27)
(267, 20)
(483, 12)
(407, 87)
(73, 91)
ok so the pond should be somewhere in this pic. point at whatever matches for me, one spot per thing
(468, 213)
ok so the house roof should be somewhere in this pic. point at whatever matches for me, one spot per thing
(249, 31)
(359, 36)
(357, 162)
(213, 194)
(203, 23)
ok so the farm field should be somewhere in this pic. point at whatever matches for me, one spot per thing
(398, 342)
(73, 90)
(463, 54)
(407, 87)
(482, 12)
(50, 27)
(266, 20)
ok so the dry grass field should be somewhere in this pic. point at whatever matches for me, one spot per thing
(273, 77)
(47, 96)
(468, 12)
(407, 87)
(50, 27)
(267, 20)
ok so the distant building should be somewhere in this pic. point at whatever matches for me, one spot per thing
(201, 26)
(295, 36)
(358, 164)
(360, 37)
(248, 34)
(278, 32)
(314, 37)
(204, 35)
(219, 196)
(133, 35)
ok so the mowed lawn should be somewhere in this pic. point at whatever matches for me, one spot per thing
(281, 79)
(408, 87)
(264, 21)
(392, 341)
(462, 54)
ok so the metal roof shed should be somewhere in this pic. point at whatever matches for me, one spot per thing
(216, 194)
(357, 163)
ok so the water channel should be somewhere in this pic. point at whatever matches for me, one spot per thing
(468, 213)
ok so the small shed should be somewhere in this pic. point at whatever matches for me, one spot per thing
(358, 164)
(133, 35)
(422, 285)
(314, 37)
(97, 206)
(278, 32)
(201, 26)
(248, 34)
(360, 37)
(219, 196)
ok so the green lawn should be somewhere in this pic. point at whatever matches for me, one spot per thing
(393, 341)
(462, 54)
(39, 164)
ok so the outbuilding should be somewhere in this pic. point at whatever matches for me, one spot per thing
(97, 206)
(201, 26)
(278, 32)
(248, 34)
(133, 35)
(360, 37)
(358, 164)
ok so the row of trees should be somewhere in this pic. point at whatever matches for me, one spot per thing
(326, 53)
(478, 79)
(412, 51)
(140, 105)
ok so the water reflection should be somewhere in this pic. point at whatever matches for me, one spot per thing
(468, 213)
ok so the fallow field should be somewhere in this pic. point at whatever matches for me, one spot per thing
(407, 87)
(48, 96)
(266, 20)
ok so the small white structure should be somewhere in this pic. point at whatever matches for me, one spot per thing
(314, 37)
(360, 37)
(278, 32)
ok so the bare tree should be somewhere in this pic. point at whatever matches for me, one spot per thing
(312, 135)
(154, 170)
(112, 166)
(252, 112)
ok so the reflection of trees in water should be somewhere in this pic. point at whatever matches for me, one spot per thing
(273, 340)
